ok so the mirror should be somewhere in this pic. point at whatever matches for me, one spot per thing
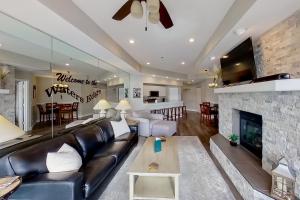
(46, 84)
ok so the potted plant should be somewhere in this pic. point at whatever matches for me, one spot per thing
(233, 138)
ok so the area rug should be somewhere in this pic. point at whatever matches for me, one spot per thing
(199, 180)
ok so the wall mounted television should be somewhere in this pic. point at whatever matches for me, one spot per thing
(154, 93)
(239, 64)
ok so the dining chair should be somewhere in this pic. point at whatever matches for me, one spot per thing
(75, 108)
(65, 112)
(205, 112)
(43, 113)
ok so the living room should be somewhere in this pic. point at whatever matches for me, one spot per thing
(150, 99)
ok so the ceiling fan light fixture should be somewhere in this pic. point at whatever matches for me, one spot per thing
(153, 5)
(154, 17)
(136, 9)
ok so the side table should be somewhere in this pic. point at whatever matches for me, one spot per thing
(133, 125)
(11, 187)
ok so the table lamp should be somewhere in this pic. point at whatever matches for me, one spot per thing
(123, 106)
(102, 105)
(9, 131)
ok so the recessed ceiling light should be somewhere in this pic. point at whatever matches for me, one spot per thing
(115, 76)
(191, 40)
(131, 41)
(0, 45)
(67, 64)
(153, 75)
(183, 63)
(167, 77)
(192, 80)
(240, 31)
(225, 56)
(212, 58)
(148, 63)
(178, 79)
(238, 64)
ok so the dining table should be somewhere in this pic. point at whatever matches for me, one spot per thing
(60, 111)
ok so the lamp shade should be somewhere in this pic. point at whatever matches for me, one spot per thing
(9, 131)
(123, 105)
(154, 17)
(136, 9)
(102, 105)
(153, 5)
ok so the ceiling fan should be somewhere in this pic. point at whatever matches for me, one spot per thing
(157, 12)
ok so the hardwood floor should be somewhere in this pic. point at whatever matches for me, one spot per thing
(193, 126)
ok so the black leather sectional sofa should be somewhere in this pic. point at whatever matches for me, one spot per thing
(101, 154)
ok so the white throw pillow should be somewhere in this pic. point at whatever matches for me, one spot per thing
(120, 127)
(65, 159)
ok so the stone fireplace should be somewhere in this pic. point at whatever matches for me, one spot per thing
(276, 106)
(250, 132)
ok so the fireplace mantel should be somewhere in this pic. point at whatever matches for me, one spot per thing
(268, 86)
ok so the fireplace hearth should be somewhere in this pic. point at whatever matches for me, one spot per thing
(251, 132)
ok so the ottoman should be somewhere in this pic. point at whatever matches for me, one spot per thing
(163, 128)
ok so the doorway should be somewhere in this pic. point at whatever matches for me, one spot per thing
(198, 98)
(22, 99)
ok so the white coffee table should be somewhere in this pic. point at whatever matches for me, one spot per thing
(159, 184)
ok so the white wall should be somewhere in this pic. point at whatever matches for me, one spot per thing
(174, 94)
(189, 98)
(162, 90)
(207, 94)
(138, 80)
(195, 94)
(161, 81)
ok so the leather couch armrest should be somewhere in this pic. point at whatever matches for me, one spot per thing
(49, 186)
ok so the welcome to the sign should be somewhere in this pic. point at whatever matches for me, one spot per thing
(69, 79)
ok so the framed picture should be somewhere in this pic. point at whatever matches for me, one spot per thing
(126, 93)
(136, 92)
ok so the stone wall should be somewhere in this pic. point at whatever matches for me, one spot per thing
(278, 50)
(241, 184)
(281, 128)
(7, 101)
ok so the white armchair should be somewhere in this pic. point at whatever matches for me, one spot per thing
(152, 124)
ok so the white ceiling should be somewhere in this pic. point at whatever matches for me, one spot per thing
(192, 18)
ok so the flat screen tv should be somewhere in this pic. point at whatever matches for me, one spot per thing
(154, 93)
(239, 64)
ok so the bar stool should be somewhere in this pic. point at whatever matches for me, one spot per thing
(174, 113)
(184, 113)
(180, 111)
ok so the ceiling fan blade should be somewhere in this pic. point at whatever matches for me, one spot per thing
(123, 11)
(165, 18)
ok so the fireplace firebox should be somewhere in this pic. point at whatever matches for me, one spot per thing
(251, 132)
